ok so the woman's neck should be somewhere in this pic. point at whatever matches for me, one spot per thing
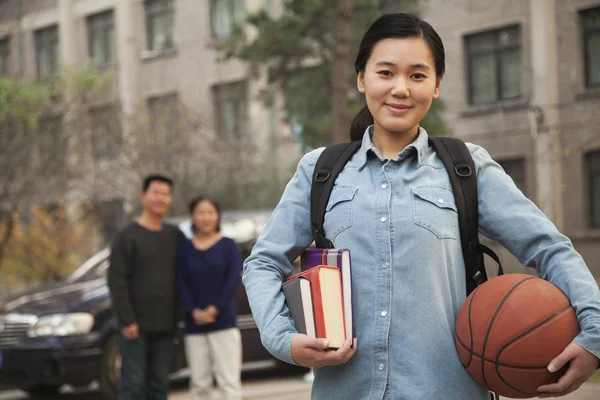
(391, 144)
(206, 237)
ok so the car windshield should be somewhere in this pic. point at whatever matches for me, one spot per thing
(94, 268)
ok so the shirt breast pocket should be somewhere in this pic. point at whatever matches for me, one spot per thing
(338, 214)
(434, 209)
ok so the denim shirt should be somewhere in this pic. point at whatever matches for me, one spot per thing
(398, 218)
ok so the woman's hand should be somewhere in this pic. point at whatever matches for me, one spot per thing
(582, 364)
(311, 352)
(212, 310)
(203, 317)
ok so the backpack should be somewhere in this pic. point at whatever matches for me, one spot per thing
(461, 169)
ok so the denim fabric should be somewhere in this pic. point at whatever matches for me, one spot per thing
(399, 219)
(145, 367)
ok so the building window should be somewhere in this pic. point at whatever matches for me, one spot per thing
(160, 19)
(106, 132)
(590, 23)
(4, 56)
(515, 168)
(231, 108)
(101, 37)
(46, 45)
(50, 140)
(165, 117)
(224, 15)
(112, 217)
(593, 167)
(494, 65)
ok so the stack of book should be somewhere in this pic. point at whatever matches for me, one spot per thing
(320, 297)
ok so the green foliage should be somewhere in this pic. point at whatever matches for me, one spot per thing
(297, 51)
(433, 122)
(21, 101)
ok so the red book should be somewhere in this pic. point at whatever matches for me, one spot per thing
(336, 258)
(328, 307)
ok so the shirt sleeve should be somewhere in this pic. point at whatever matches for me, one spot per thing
(119, 274)
(286, 235)
(234, 275)
(507, 216)
(183, 291)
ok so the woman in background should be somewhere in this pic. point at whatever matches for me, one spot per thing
(208, 274)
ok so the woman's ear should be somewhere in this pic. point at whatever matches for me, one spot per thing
(436, 91)
(360, 81)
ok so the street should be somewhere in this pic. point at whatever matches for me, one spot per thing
(280, 385)
(263, 386)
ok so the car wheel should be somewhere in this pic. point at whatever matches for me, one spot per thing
(110, 370)
(42, 390)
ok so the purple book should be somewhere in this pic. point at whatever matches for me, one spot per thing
(338, 258)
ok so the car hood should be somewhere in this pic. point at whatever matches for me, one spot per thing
(59, 298)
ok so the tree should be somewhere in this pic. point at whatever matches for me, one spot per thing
(307, 53)
(46, 246)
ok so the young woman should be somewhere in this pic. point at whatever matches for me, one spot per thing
(393, 207)
(209, 272)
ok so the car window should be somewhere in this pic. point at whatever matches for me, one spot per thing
(97, 271)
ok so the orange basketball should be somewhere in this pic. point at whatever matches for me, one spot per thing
(509, 329)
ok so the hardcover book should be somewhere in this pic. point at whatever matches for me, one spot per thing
(327, 300)
(337, 258)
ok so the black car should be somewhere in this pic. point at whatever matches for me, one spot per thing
(66, 333)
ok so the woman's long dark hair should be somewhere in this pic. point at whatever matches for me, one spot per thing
(398, 25)
(197, 200)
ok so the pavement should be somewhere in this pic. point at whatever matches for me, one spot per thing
(284, 388)
(269, 387)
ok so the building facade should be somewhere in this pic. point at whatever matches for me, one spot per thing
(160, 53)
(523, 80)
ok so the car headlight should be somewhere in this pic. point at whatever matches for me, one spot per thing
(62, 325)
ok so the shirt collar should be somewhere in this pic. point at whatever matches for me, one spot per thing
(419, 146)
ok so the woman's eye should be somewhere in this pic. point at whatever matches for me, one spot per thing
(385, 73)
(419, 76)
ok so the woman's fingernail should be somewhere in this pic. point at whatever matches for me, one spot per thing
(552, 368)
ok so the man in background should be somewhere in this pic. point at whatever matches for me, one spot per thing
(142, 286)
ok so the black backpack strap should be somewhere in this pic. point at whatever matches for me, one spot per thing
(330, 163)
(461, 169)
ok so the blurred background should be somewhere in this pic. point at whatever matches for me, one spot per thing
(225, 96)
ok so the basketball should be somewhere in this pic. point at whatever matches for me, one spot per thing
(509, 329)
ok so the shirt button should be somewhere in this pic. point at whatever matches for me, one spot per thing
(383, 219)
(384, 265)
(384, 186)
(441, 201)
(381, 367)
(383, 313)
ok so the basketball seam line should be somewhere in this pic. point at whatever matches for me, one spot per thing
(506, 296)
(470, 328)
(550, 318)
(499, 363)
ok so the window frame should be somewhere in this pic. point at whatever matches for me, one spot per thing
(223, 92)
(106, 153)
(232, 7)
(103, 24)
(154, 9)
(5, 55)
(164, 124)
(586, 32)
(591, 172)
(497, 51)
(53, 125)
(48, 36)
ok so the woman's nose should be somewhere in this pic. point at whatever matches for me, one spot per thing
(400, 88)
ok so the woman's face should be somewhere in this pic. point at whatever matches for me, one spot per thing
(205, 217)
(399, 83)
